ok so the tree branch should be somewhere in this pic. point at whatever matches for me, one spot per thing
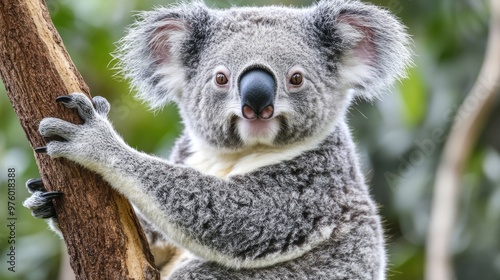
(467, 126)
(102, 233)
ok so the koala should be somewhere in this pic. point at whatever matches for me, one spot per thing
(264, 182)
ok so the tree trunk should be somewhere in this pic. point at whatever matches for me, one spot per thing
(102, 233)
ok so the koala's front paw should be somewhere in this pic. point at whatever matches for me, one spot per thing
(87, 109)
(85, 143)
(40, 202)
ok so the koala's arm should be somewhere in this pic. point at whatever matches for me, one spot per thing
(166, 255)
(274, 214)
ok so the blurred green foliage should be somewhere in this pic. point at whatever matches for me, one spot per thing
(400, 137)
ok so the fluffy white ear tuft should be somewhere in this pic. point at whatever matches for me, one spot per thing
(151, 54)
(372, 46)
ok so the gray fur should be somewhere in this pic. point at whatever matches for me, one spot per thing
(304, 212)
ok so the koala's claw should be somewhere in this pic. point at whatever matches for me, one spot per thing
(63, 99)
(40, 202)
(80, 102)
(41, 150)
(51, 195)
(84, 105)
(34, 185)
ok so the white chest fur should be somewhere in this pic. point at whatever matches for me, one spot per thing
(224, 164)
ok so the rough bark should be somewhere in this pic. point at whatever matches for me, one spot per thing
(101, 231)
(468, 123)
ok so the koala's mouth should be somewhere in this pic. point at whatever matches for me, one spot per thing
(254, 131)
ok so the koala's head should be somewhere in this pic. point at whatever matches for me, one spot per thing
(272, 75)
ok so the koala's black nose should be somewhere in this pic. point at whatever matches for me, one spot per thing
(257, 90)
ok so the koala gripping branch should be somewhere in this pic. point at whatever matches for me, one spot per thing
(101, 231)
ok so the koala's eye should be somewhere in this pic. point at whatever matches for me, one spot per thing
(221, 79)
(296, 79)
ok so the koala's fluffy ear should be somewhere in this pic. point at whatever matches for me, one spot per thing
(367, 45)
(154, 53)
